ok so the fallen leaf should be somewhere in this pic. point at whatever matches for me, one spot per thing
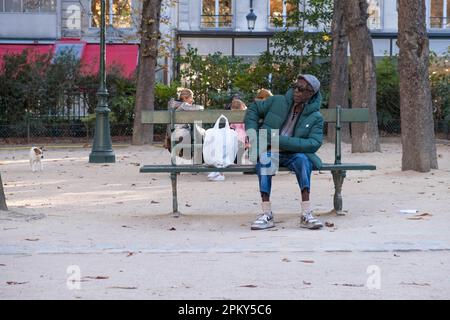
(349, 285)
(2, 265)
(286, 260)
(96, 278)
(125, 288)
(416, 218)
(307, 261)
(426, 214)
(329, 224)
(306, 283)
(133, 184)
(31, 239)
(154, 202)
(248, 286)
(130, 254)
(172, 229)
(415, 284)
(126, 227)
(188, 205)
(13, 283)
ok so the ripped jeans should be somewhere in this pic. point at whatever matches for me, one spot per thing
(298, 163)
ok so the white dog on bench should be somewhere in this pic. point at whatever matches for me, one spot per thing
(36, 154)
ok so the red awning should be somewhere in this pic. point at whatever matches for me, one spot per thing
(6, 49)
(123, 55)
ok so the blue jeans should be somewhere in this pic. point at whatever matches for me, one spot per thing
(268, 164)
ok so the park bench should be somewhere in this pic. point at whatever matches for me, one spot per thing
(170, 117)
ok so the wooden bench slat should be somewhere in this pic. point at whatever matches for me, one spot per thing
(244, 168)
(211, 116)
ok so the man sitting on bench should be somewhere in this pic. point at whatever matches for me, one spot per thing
(296, 115)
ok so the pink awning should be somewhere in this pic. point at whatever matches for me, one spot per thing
(6, 49)
(123, 55)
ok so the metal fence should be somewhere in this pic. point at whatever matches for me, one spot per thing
(393, 128)
(53, 133)
(83, 132)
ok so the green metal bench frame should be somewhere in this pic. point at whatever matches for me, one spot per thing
(338, 170)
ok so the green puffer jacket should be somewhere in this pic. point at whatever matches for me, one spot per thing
(308, 133)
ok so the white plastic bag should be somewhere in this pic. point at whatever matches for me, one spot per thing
(220, 145)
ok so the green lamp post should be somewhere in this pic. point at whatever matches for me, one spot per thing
(102, 151)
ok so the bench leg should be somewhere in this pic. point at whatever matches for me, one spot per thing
(338, 178)
(175, 212)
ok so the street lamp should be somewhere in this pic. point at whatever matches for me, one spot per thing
(251, 18)
(102, 151)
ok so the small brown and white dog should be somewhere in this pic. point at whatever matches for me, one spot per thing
(36, 154)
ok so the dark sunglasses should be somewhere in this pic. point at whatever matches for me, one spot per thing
(302, 88)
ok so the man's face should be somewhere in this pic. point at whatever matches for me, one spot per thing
(302, 91)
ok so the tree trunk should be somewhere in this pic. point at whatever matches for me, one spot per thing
(2, 196)
(339, 70)
(148, 55)
(365, 136)
(416, 113)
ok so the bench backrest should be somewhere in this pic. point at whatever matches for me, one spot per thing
(235, 116)
(333, 115)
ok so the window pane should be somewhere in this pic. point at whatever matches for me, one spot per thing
(291, 12)
(122, 14)
(13, 6)
(31, 5)
(95, 9)
(448, 14)
(225, 18)
(208, 13)
(96, 13)
(74, 49)
(436, 13)
(276, 7)
(209, 7)
(48, 5)
(374, 11)
(276, 13)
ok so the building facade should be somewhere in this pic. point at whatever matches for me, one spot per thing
(221, 25)
(209, 25)
(54, 25)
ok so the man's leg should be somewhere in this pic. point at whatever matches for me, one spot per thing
(302, 167)
(264, 170)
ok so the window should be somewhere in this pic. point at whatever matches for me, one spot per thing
(216, 14)
(28, 6)
(118, 13)
(280, 11)
(374, 11)
(75, 49)
(13, 5)
(440, 14)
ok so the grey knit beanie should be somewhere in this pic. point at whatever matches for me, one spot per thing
(312, 80)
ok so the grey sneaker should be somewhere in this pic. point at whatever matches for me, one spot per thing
(308, 221)
(263, 221)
